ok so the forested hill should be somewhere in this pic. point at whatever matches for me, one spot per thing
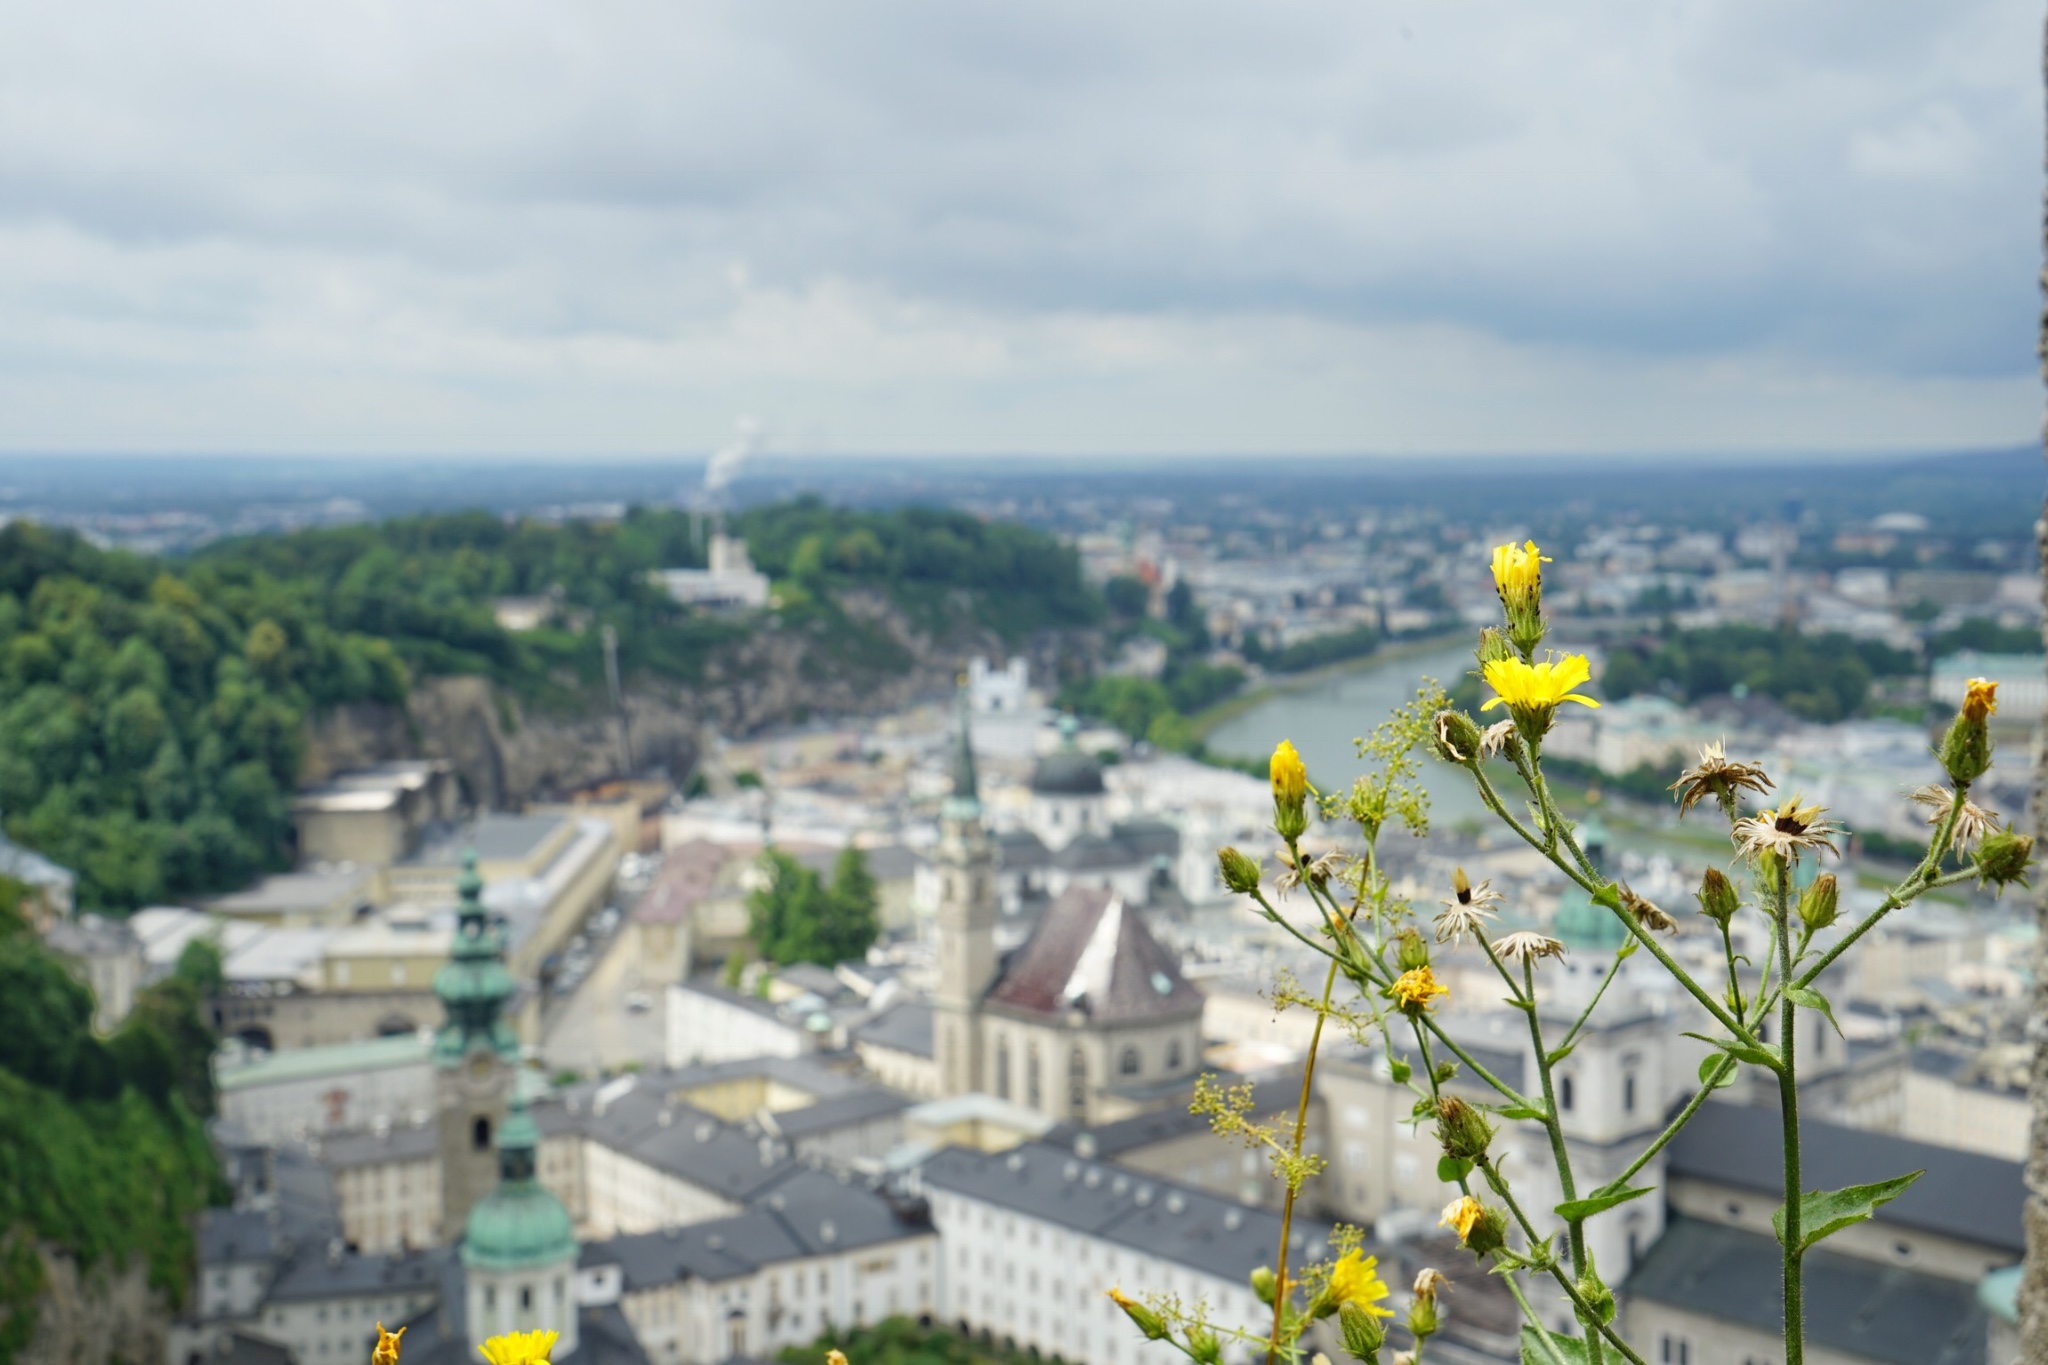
(154, 713)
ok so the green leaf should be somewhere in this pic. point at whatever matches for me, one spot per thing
(1708, 1065)
(1599, 1201)
(1554, 1058)
(1822, 1213)
(1766, 1056)
(1609, 896)
(1451, 1170)
(1570, 1350)
(1812, 999)
(1627, 950)
(1522, 1111)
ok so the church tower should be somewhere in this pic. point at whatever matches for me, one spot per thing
(966, 923)
(519, 1250)
(476, 1056)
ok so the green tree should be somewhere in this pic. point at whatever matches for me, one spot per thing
(794, 917)
(1127, 596)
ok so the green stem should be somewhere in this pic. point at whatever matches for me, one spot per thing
(1734, 978)
(1788, 1104)
(1550, 1350)
(1594, 888)
(1587, 1013)
(1553, 1124)
(1692, 1106)
(1308, 1071)
(1586, 1312)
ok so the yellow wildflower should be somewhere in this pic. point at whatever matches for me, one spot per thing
(835, 1356)
(520, 1348)
(1413, 990)
(1461, 1215)
(1980, 698)
(1518, 574)
(1355, 1279)
(1537, 688)
(1290, 775)
(1290, 791)
(387, 1346)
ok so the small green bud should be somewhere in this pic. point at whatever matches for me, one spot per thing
(1203, 1346)
(1490, 1233)
(1819, 903)
(1411, 950)
(1444, 1071)
(1240, 873)
(1966, 749)
(1463, 1130)
(1264, 1283)
(1718, 898)
(1146, 1320)
(1363, 1334)
(2003, 858)
(1423, 1320)
(1493, 647)
(1597, 1295)
(1455, 737)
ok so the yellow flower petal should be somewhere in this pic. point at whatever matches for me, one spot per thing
(520, 1348)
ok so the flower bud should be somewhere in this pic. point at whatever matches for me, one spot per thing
(1479, 1228)
(1411, 950)
(1147, 1321)
(1493, 647)
(1456, 737)
(1518, 578)
(1203, 1346)
(1290, 791)
(1966, 750)
(1463, 1130)
(2003, 857)
(1422, 1314)
(1264, 1283)
(1717, 897)
(1362, 1332)
(1240, 873)
(1818, 904)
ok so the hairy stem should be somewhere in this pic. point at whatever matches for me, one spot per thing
(1308, 1072)
(1553, 1125)
(1498, 1183)
(1788, 1104)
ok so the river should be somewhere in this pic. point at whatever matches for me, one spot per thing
(1323, 717)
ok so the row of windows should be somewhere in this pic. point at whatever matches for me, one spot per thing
(1129, 1062)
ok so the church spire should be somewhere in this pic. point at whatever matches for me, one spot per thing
(473, 985)
(965, 802)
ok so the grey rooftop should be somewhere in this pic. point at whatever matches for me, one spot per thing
(1186, 1226)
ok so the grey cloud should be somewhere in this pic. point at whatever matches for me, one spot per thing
(1855, 184)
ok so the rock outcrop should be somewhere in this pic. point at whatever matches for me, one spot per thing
(100, 1314)
(507, 752)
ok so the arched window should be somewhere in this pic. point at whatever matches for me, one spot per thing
(525, 1298)
(1127, 1061)
(1003, 1069)
(1031, 1090)
(1173, 1055)
(1628, 1094)
(1077, 1081)
(1564, 1093)
(480, 1133)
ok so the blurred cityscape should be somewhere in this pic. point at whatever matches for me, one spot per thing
(716, 1025)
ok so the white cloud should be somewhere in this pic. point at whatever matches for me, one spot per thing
(1178, 225)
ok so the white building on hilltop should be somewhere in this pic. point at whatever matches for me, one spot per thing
(729, 580)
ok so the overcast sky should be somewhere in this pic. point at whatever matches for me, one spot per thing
(590, 226)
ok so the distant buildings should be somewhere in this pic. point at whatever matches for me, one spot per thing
(730, 580)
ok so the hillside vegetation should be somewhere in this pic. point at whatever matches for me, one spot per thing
(153, 712)
(103, 1152)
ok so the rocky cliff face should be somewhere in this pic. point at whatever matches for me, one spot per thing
(507, 753)
(101, 1317)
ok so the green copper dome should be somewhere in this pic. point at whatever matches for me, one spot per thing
(473, 984)
(1580, 924)
(519, 1224)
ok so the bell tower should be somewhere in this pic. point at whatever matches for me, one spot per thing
(966, 922)
(476, 1055)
